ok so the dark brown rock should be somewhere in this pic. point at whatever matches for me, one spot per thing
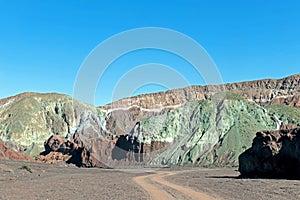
(59, 149)
(274, 154)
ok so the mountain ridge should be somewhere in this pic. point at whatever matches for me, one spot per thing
(134, 100)
(24, 94)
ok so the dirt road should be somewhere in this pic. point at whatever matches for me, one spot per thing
(160, 189)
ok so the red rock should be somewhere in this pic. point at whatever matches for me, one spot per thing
(9, 154)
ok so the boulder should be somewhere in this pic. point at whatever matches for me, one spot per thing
(274, 154)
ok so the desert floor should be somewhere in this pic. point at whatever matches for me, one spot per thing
(60, 181)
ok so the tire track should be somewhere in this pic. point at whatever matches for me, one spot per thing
(151, 184)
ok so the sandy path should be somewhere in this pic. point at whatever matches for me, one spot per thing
(152, 185)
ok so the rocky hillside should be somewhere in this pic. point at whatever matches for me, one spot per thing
(197, 125)
(208, 131)
(204, 132)
(125, 113)
(28, 119)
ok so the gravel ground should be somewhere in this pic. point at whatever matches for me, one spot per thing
(62, 181)
(65, 182)
(224, 183)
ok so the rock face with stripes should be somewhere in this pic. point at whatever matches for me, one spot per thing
(125, 113)
(206, 132)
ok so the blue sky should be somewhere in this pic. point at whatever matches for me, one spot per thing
(43, 43)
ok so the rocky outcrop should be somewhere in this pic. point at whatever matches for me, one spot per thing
(113, 150)
(59, 149)
(274, 154)
(7, 153)
(91, 136)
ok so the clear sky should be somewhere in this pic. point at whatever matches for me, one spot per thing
(43, 43)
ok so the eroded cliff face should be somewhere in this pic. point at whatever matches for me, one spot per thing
(261, 92)
(109, 149)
